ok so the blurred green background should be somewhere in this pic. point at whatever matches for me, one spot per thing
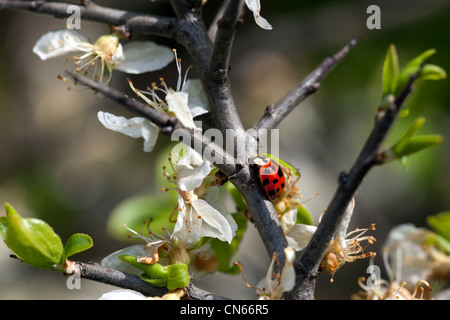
(58, 163)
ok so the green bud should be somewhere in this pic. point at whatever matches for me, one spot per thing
(178, 276)
(416, 144)
(411, 68)
(432, 72)
(390, 72)
(151, 271)
(403, 141)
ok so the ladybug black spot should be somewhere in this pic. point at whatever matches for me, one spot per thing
(275, 181)
(280, 172)
(278, 190)
(282, 186)
(271, 193)
(265, 182)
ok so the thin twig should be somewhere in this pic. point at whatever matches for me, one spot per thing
(307, 266)
(132, 21)
(273, 115)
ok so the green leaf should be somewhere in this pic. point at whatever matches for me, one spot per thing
(441, 224)
(178, 276)
(416, 144)
(390, 71)
(3, 226)
(154, 282)
(432, 72)
(403, 141)
(225, 251)
(78, 242)
(152, 271)
(411, 68)
(303, 216)
(32, 240)
(135, 210)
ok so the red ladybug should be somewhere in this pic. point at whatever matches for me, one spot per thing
(271, 176)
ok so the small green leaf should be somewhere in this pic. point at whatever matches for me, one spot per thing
(153, 271)
(178, 276)
(411, 68)
(405, 161)
(32, 240)
(416, 144)
(390, 71)
(441, 224)
(403, 141)
(432, 72)
(78, 242)
(303, 216)
(154, 282)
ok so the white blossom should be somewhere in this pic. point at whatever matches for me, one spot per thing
(273, 286)
(105, 54)
(186, 101)
(196, 217)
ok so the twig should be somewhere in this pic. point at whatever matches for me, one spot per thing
(217, 75)
(211, 151)
(132, 21)
(273, 115)
(307, 266)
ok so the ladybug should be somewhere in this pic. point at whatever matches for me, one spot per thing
(271, 176)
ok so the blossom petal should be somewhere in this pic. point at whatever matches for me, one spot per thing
(60, 42)
(262, 22)
(216, 224)
(188, 176)
(177, 104)
(289, 219)
(144, 56)
(299, 236)
(287, 281)
(135, 127)
(114, 262)
(197, 102)
(255, 7)
(342, 231)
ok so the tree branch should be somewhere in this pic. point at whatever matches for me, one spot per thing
(307, 267)
(273, 115)
(132, 21)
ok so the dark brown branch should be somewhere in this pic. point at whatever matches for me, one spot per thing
(307, 267)
(132, 21)
(273, 115)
